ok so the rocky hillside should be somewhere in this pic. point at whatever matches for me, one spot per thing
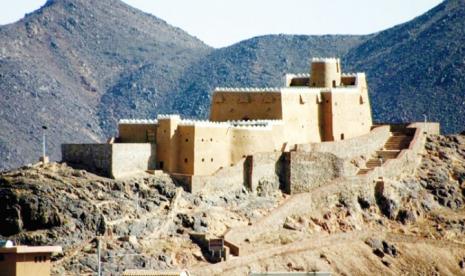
(411, 224)
(77, 65)
(418, 68)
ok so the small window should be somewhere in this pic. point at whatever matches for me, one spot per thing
(187, 140)
(185, 160)
(202, 140)
(342, 136)
(334, 83)
(211, 160)
(203, 159)
(211, 139)
(161, 165)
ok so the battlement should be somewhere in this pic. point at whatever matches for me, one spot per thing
(247, 89)
(203, 123)
(168, 116)
(325, 60)
(138, 121)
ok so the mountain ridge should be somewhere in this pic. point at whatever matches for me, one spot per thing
(80, 66)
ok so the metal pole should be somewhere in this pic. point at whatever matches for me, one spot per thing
(426, 119)
(43, 144)
(99, 272)
(44, 141)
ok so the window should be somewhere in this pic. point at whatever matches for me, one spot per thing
(185, 160)
(334, 83)
(161, 165)
(211, 139)
(212, 159)
(342, 136)
(187, 140)
(203, 159)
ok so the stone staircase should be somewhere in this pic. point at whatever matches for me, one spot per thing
(400, 139)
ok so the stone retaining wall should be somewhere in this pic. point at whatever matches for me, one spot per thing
(347, 149)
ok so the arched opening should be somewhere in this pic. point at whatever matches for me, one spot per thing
(246, 118)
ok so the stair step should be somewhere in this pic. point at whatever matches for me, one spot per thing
(388, 154)
(363, 171)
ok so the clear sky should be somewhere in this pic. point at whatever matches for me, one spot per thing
(223, 22)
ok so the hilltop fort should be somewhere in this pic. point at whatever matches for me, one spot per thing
(322, 107)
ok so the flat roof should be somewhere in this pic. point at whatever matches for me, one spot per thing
(148, 272)
(23, 249)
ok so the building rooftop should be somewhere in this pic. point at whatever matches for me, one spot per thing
(146, 272)
(22, 249)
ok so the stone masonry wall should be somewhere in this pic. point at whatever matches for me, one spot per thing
(110, 160)
(94, 158)
(354, 147)
(311, 170)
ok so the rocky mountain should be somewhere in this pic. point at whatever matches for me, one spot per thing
(411, 224)
(418, 68)
(71, 64)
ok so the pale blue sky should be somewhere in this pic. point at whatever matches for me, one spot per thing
(224, 22)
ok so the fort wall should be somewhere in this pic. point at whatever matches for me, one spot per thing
(301, 115)
(94, 158)
(167, 153)
(212, 149)
(111, 160)
(230, 104)
(363, 145)
(129, 132)
(132, 159)
(309, 170)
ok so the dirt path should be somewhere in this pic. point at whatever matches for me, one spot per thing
(317, 242)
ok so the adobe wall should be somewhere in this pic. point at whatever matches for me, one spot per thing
(185, 141)
(167, 153)
(94, 158)
(130, 159)
(302, 115)
(212, 149)
(235, 105)
(350, 111)
(248, 141)
(354, 147)
(136, 133)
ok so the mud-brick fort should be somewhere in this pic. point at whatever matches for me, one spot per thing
(317, 127)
